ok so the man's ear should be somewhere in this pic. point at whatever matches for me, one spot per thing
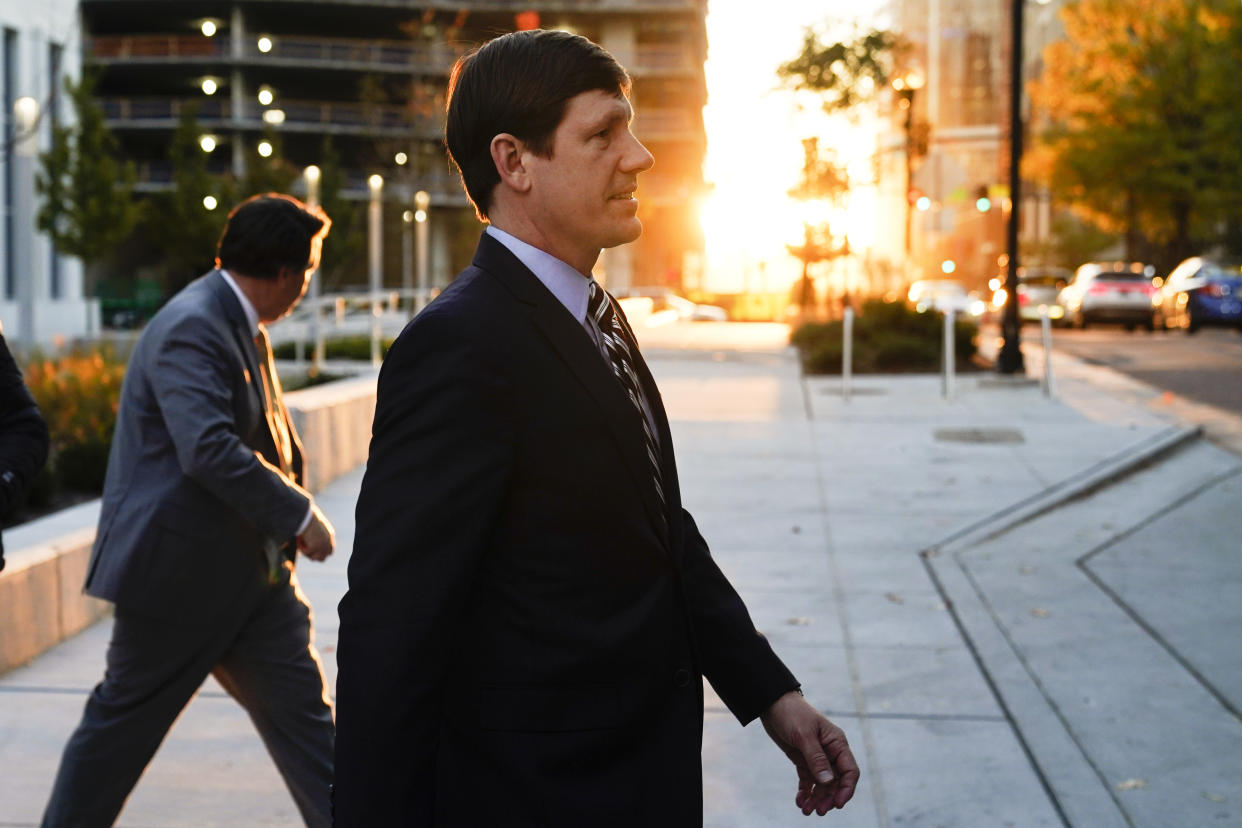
(508, 155)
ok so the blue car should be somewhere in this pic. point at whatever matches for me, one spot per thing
(1200, 291)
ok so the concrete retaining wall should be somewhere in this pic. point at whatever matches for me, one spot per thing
(41, 598)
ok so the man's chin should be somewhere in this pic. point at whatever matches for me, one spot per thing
(627, 234)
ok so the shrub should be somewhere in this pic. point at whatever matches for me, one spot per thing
(345, 347)
(296, 382)
(78, 394)
(889, 337)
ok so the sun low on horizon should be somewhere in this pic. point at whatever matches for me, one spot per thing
(755, 131)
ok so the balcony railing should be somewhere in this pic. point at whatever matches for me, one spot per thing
(157, 176)
(392, 55)
(157, 47)
(369, 55)
(298, 115)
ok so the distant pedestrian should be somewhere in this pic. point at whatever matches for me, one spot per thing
(23, 436)
(203, 514)
(530, 611)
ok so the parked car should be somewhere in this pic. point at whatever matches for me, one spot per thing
(943, 295)
(1041, 287)
(664, 300)
(938, 294)
(1120, 292)
(1201, 291)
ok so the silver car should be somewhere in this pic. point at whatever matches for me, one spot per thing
(1118, 292)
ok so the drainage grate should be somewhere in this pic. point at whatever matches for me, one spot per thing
(979, 435)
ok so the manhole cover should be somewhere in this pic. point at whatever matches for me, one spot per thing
(979, 435)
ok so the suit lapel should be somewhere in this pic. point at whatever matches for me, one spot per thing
(573, 345)
(239, 326)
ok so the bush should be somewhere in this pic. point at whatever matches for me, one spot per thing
(296, 382)
(889, 337)
(78, 394)
(345, 347)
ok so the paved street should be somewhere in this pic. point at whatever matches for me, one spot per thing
(1012, 604)
(1205, 367)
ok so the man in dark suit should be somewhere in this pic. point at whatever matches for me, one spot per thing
(202, 516)
(23, 436)
(530, 611)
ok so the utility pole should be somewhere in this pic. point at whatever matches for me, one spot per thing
(1009, 360)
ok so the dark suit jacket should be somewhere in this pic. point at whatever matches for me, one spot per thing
(194, 489)
(23, 435)
(525, 630)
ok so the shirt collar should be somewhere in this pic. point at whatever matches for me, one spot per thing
(252, 315)
(570, 287)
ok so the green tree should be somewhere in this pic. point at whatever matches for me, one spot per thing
(344, 251)
(1141, 137)
(846, 73)
(87, 191)
(180, 225)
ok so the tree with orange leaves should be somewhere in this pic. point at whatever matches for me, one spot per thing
(1141, 128)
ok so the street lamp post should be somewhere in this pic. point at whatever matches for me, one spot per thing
(407, 255)
(26, 118)
(375, 251)
(1009, 360)
(312, 174)
(422, 204)
(907, 85)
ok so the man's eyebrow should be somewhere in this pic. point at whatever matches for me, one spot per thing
(623, 115)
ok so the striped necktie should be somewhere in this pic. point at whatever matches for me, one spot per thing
(616, 349)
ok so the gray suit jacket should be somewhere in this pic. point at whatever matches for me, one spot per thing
(194, 488)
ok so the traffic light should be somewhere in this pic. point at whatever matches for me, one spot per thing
(982, 202)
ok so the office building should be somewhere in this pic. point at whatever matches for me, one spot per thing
(41, 291)
(960, 50)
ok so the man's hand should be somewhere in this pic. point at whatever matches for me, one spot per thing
(319, 538)
(827, 772)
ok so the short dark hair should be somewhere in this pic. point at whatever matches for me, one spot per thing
(270, 232)
(519, 83)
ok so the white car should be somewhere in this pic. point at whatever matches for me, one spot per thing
(944, 295)
(665, 300)
(1110, 292)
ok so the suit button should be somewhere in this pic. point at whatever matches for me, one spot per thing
(682, 678)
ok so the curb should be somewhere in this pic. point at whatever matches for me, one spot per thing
(1107, 471)
(1072, 784)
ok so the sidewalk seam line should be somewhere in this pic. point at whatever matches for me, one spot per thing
(851, 659)
(993, 686)
(1039, 686)
(1083, 564)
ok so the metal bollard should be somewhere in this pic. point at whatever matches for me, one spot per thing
(847, 353)
(950, 357)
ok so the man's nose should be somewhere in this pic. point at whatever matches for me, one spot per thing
(638, 158)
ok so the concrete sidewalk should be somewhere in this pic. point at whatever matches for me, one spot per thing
(1022, 610)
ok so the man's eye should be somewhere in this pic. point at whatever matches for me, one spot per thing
(603, 133)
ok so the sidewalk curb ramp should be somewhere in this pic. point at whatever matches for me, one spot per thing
(1129, 460)
(1073, 784)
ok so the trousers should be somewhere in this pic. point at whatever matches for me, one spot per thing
(260, 650)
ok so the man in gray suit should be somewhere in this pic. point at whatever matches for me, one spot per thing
(201, 520)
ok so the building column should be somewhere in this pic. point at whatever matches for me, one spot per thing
(237, 88)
